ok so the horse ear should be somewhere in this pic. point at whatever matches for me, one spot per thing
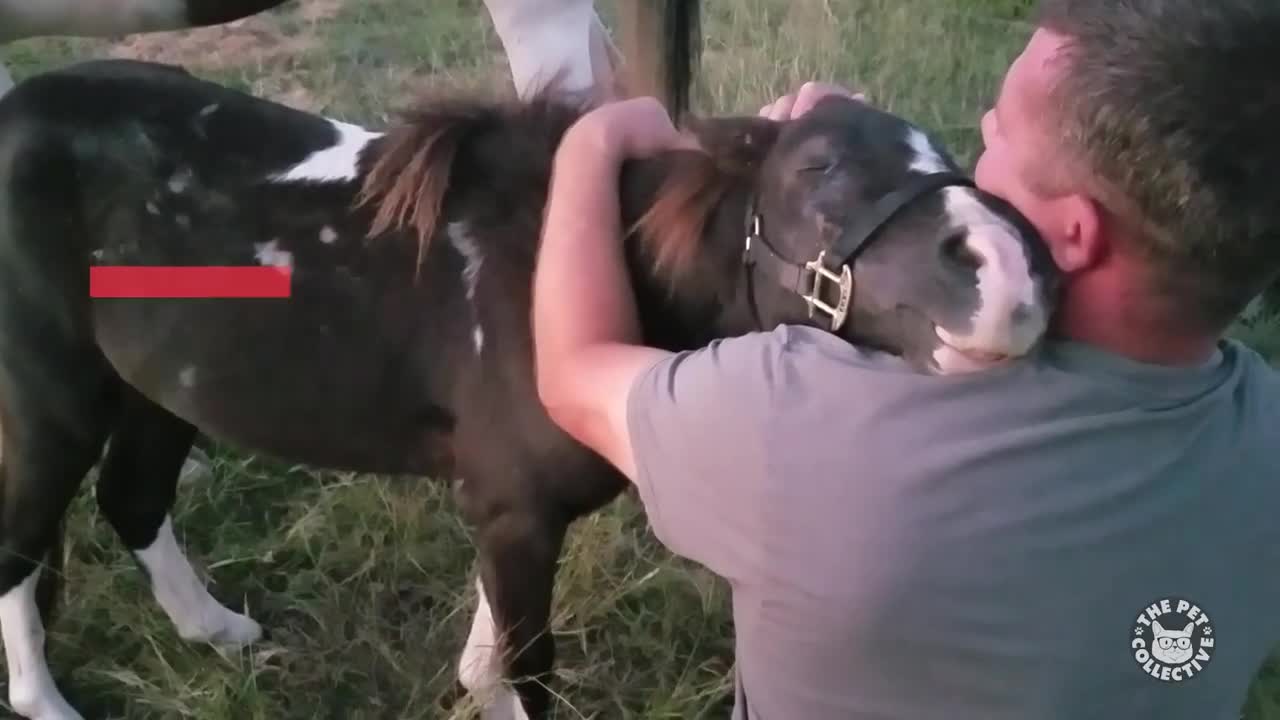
(694, 184)
(737, 145)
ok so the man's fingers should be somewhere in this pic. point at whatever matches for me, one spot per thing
(779, 109)
(811, 92)
(793, 105)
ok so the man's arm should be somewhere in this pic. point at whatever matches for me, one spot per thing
(697, 419)
(586, 331)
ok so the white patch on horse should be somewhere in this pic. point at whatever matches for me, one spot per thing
(32, 691)
(208, 110)
(269, 253)
(194, 612)
(152, 208)
(466, 246)
(180, 180)
(328, 235)
(338, 162)
(480, 669)
(183, 220)
(470, 252)
(927, 158)
(187, 376)
(1010, 315)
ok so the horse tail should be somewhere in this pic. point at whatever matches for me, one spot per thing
(662, 47)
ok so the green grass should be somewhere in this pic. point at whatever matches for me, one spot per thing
(362, 581)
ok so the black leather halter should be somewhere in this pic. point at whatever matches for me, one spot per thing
(833, 264)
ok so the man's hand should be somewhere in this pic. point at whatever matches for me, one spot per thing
(793, 105)
(634, 128)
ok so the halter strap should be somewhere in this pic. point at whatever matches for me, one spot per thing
(856, 239)
(833, 265)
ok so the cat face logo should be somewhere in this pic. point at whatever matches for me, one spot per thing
(1172, 639)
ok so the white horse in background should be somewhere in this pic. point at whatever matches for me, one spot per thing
(544, 40)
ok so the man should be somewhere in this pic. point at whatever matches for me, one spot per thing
(1087, 533)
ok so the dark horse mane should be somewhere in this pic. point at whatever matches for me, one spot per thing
(669, 202)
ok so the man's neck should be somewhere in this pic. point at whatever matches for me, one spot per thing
(1118, 322)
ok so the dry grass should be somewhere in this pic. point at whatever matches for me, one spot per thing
(362, 581)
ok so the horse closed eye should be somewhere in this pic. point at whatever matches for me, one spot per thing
(823, 167)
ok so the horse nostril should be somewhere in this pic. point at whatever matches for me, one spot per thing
(956, 250)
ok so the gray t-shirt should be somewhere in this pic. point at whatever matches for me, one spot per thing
(1071, 536)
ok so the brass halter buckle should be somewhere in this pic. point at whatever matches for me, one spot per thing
(819, 271)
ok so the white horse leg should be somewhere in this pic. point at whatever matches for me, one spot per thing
(479, 668)
(196, 614)
(605, 57)
(32, 692)
(546, 40)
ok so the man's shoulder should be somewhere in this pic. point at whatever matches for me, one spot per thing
(1257, 372)
(757, 373)
(1259, 379)
(813, 347)
(787, 352)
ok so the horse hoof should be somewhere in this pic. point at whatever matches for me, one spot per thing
(41, 703)
(197, 468)
(234, 630)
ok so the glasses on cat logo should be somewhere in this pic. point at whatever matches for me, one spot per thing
(1166, 643)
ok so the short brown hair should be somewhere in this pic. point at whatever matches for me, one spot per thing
(1173, 107)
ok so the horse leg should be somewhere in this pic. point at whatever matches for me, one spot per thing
(53, 431)
(509, 634)
(561, 41)
(605, 59)
(136, 489)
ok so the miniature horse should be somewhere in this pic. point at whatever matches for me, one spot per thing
(405, 346)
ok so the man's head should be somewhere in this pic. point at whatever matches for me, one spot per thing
(1142, 138)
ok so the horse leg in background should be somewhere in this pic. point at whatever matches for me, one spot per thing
(58, 411)
(102, 18)
(108, 18)
(555, 40)
(136, 487)
(510, 638)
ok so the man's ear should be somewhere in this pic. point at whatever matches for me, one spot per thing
(1081, 236)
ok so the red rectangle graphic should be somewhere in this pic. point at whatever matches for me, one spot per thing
(119, 281)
